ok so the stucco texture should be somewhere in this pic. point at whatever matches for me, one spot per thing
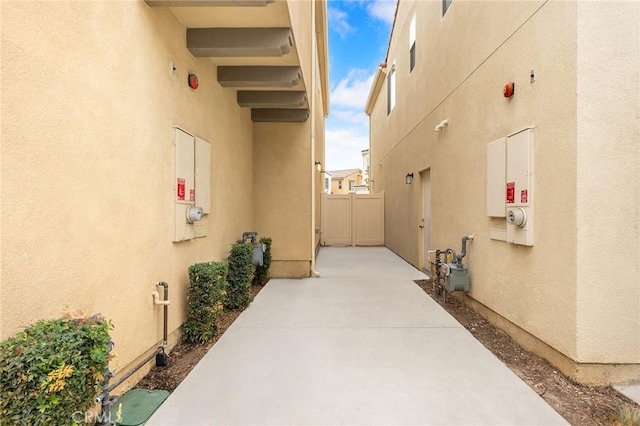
(608, 184)
(551, 290)
(282, 200)
(88, 106)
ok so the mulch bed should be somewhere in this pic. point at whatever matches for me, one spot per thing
(185, 356)
(578, 404)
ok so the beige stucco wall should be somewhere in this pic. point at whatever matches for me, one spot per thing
(282, 197)
(550, 290)
(284, 166)
(300, 14)
(88, 105)
(608, 183)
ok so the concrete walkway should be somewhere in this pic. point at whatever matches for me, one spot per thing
(361, 345)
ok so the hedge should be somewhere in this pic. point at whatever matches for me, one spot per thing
(240, 275)
(207, 290)
(53, 370)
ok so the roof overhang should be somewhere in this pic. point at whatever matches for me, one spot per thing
(253, 46)
(208, 3)
(374, 92)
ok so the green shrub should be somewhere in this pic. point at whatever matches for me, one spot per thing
(207, 289)
(262, 272)
(240, 275)
(53, 370)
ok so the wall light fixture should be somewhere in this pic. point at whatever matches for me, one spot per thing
(408, 179)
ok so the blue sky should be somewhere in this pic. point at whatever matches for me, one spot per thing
(358, 38)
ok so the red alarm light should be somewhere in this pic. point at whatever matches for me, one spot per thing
(193, 81)
(509, 89)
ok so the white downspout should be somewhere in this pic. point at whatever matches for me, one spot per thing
(312, 99)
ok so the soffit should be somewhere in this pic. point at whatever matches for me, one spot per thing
(271, 15)
(248, 28)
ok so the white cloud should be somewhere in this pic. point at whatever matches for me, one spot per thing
(343, 148)
(338, 22)
(383, 10)
(351, 116)
(353, 90)
(347, 129)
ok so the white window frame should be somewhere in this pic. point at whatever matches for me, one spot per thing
(391, 88)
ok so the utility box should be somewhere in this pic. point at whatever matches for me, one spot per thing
(496, 178)
(457, 278)
(192, 185)
(185, 169)
(203, 174)
(510, 186)
(519, 188)
(258, 248)
(258, 254)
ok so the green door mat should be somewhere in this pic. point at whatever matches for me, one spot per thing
(136, 406)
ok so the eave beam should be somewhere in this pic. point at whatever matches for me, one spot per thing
(239, 42)
(208, 3)
(272, 99)
(278, 115)
(259, 76)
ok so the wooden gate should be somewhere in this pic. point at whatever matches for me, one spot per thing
(352, 220)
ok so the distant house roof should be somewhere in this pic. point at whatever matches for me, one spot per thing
(341, 174)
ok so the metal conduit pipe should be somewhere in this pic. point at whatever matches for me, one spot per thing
(312, 108)
(105, 398)
(134, 369)
(252, 235)
(166, 314)
(460, 256)
(448, 252)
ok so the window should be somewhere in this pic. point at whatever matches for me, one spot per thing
(351, 185)
(326, 184)
(339, 184)
(391, 88)
(412, 44)
(445, 6)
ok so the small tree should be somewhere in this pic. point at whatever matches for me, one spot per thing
(207, 290)
(241, 271)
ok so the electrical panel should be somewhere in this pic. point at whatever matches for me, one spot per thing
(192, 185)
(510, 186)
(203, 174)
(185, 168)
(496, 178)
(519, 188)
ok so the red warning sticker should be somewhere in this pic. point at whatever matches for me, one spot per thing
(511, 192)
(524, 196)
(192, 195)
(180, 189)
